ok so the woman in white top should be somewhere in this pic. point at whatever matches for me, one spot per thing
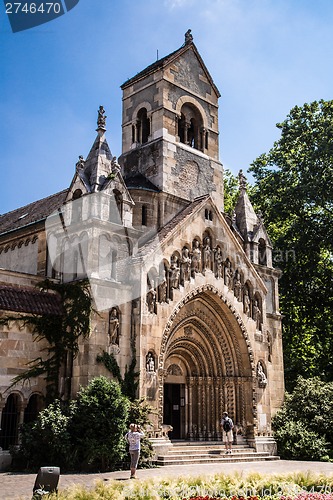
(133, 437)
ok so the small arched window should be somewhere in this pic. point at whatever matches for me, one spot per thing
(144, 215)
(77, 206)
(34, 406)
(142, 126)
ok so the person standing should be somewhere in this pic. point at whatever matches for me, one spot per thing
(133, 438)
(227, 426)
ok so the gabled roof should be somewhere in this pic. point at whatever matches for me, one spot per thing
(28, 300)
(164, 232)
(165, 61)
(29, 214)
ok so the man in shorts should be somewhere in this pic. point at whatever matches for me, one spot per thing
(228, 437)
(133, 437)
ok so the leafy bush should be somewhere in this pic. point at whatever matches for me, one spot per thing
(45, 441)
(303, 429)
(98, 424)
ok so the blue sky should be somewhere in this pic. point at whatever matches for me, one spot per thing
(265, 56)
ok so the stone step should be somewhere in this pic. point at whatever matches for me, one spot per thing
(208, 451)
(241, 457)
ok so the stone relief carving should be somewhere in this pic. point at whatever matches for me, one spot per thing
(238, 285)
(218, 258)
(185, 266)
(247, 302)
(228, 275)
(256, 314)
(174, 370)
(174, 273)
(207, 254)
(162, 289)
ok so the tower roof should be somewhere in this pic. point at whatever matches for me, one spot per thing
(166, 60)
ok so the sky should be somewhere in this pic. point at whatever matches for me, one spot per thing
(265, 57)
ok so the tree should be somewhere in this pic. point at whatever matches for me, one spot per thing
(98, 424)
(294, 191)
(303, 426)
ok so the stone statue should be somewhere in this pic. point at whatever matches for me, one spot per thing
(242, 180)
(228, 275)
(207, 254)
(162, 289)
(101, 120)
(247, 302)
(218, 263)
(185, 265)
(113, 326)
(256, 314)
(196, 257)
(80, 164)
(237, 285)
(174, 273)
(188, 37)
(150, 363)
(151, 298)
(262, 379)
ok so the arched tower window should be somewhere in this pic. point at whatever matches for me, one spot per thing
(190, 127)
(144, 215)
(143, 126)
(77, 206)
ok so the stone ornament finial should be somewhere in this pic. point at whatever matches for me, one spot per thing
(101, 120)
(80, 164)
(188, 37)
(242, 181)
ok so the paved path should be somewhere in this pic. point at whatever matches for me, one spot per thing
(15, 486)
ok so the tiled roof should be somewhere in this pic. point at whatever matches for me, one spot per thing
(153, 67)
(28, 300)
(162, 235)
(34, 212)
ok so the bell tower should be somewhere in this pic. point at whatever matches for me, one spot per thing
(170, 126)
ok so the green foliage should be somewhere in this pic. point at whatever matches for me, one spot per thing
(45, 441)
(98, 424)
(294, 191)
(303, 426)
(61, 332)
(139, 413)
(231, 191)
(129, 383)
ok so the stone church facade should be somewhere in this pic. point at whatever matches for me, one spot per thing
(187, 290)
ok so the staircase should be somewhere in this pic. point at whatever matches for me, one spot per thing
(189, 452)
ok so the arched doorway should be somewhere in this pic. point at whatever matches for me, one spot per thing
(207, 368)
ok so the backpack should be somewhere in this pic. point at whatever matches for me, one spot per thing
(227, 425)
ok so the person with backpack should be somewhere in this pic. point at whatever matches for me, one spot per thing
(133, 438)
(227, 434)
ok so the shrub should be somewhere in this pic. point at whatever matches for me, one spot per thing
(46, 440)
(98, 424)
(302, 428)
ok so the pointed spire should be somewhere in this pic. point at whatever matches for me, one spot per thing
(101, 120)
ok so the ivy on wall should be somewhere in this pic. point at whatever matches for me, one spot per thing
(129, 383)
(61, 332)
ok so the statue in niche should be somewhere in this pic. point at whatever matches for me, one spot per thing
(262, 379)
(218, 263)
(174, 273)
(162, 289)
(207, 253)
(196, 257)
(113, 327)
(151, 298)
(150, 362)
(237, 285)
(256, 314)
(247, 302)
(101, 120)
(185, 265)
(228, 275)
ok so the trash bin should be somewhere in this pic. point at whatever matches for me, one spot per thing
(46, 482)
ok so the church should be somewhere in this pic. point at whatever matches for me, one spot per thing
(185, 289)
